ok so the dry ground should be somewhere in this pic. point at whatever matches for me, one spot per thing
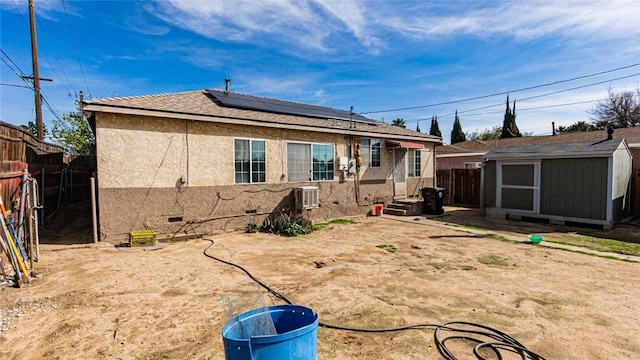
(105, 303)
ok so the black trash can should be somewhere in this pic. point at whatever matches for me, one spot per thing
(433, 198)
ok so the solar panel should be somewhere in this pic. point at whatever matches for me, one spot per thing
(242, 101)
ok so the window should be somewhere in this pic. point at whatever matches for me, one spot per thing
(250, 161)
(472, 165)
(370, 150)
(306, 162)
(322, 162)
(414, 163)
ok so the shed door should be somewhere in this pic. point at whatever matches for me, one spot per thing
(518, 186)
(399, 172)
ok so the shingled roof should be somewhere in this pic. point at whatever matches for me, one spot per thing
(601, 148)
(200, 105)
(631, 135)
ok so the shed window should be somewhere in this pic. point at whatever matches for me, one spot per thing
(250, 161)
(306, 162)
(518, 186)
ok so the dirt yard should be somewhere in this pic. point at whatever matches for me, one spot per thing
(105, 303)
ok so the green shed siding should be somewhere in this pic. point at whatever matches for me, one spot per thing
(574, 188)
(489, 184)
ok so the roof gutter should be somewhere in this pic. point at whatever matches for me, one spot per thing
(550, 156)
(95, 108)
(460, 154)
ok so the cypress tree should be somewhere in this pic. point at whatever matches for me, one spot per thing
(418, 127)
(509, 127)
(457, 135)
(435, 129)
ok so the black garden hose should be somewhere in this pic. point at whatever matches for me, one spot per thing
(467, 331)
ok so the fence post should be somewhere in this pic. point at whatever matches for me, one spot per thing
(94, 214)
(42, 197)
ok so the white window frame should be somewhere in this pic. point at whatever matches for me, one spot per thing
(311, 144)
(369, 152)
(250, 140)
(412, 155)
(535, 187)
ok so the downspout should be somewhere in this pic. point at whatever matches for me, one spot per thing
(484, 213)
(435, 178)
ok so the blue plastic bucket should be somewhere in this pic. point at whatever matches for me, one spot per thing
(296, 335)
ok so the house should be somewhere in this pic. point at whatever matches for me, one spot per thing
(585, 182)
(205, 160)
(468, 154)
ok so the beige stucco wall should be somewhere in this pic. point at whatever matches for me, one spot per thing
(141, 161)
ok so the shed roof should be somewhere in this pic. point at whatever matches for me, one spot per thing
(201, 105)
(631, 135)
(602, 148)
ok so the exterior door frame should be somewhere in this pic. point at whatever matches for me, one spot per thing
(535, 187)
(400, 172)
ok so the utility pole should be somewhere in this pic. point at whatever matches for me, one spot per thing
(36, 71)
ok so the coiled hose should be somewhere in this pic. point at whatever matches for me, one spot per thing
(467, 331)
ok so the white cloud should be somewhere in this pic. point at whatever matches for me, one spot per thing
(138, 22)
(260, 22)
(272, 85)
(524, 20)
(43, 8)
(328, 25)
(353, 15)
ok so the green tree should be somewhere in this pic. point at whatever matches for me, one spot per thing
(620, 110)
(435, 129)
(509, 127)
(418, 127)
(74, 134)
(457, 135)
(399, 122)
(32, 128)
(580, 126)
(486, 134)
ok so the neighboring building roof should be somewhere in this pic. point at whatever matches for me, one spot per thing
(631, 135)
(582, 149)
(201, 105)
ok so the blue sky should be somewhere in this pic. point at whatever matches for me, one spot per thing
(387, 59)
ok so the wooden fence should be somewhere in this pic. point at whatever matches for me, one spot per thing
(62, 178)
(462, 186)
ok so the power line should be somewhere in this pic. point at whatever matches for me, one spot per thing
(75, 48)
(504, 92)
(16, 70)
(51, 107)
(69, 88)
(65, 77)
(15, 85)
(538, 96)
(580, 87)
(19, 12)
(519, 110)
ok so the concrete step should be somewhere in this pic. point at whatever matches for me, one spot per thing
(404, 208)
(395, 205)
(395, 211)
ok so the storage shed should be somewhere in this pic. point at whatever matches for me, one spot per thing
(580, 182)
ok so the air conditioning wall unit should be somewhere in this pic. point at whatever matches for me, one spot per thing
(306, 197)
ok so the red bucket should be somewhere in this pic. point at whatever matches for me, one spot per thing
(377, 209)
